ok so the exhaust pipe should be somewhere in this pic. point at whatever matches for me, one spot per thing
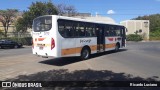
(44, 57)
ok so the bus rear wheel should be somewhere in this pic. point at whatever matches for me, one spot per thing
(85, 53)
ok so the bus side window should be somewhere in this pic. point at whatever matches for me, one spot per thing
(94, 31)
(90, 30)
(123, 31)
(76, 33)
(76, 26)
(114, 33)
(82, 33)
(107, 33)
(80, 30)
(111, 30)
(61, 29)
(118, 32)
(69, 32)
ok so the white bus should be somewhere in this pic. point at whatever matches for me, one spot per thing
(60, 36)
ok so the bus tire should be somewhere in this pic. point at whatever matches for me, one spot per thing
(117, 47)
(85, 53)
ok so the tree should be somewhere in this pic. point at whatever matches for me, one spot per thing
(6, 18)
(154, 21)
(66, 10)
(24, 22)
(21, 25)
(36, 9)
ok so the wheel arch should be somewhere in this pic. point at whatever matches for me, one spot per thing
(86, 47)
(85, 52)
(118, 43)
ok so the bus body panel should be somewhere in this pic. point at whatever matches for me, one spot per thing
(42, 41)
(68, 46)
(41, 44)
(64, 47)
(73, 46)
(110, 43)
(88, 42)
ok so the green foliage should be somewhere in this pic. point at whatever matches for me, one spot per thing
(134, 37)
(36, 9)
(39, 9)
(154, 21)
(6, 18)
(155, 35)
(24, 41)
(21, 25)
(154, 25)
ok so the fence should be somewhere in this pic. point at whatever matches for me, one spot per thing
(24, 38)
(16, 34)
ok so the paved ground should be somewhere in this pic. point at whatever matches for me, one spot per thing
(14, 52)
(138, 59)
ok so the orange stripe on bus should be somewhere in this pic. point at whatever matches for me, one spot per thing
(110, 45)
(93, 47)
(41, 39)
(68, 51)
(76, 50)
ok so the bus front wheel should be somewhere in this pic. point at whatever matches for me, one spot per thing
(117, 47)
(85, 53)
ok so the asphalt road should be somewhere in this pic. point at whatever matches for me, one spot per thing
(140, 59)
(14, 52)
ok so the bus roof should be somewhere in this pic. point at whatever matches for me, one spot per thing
(82, 20)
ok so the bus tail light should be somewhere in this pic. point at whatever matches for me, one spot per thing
(52, 43)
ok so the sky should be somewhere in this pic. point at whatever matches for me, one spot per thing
(119, 10)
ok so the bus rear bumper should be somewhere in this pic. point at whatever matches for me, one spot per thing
(43, 55)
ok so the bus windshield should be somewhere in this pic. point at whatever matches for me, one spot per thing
(42, 24)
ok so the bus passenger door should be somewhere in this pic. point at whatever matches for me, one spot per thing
(123, 35)
(100, 39)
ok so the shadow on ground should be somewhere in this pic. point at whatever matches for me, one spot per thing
(82, 75)
(69, 60)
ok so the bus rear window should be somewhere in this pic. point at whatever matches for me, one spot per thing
(42, 24)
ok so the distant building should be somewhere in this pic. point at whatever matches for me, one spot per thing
(77, 14)
(95, 18)
(140, 27)
(88, 16)
(11, 27)
(84, 14)
(102, 19)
